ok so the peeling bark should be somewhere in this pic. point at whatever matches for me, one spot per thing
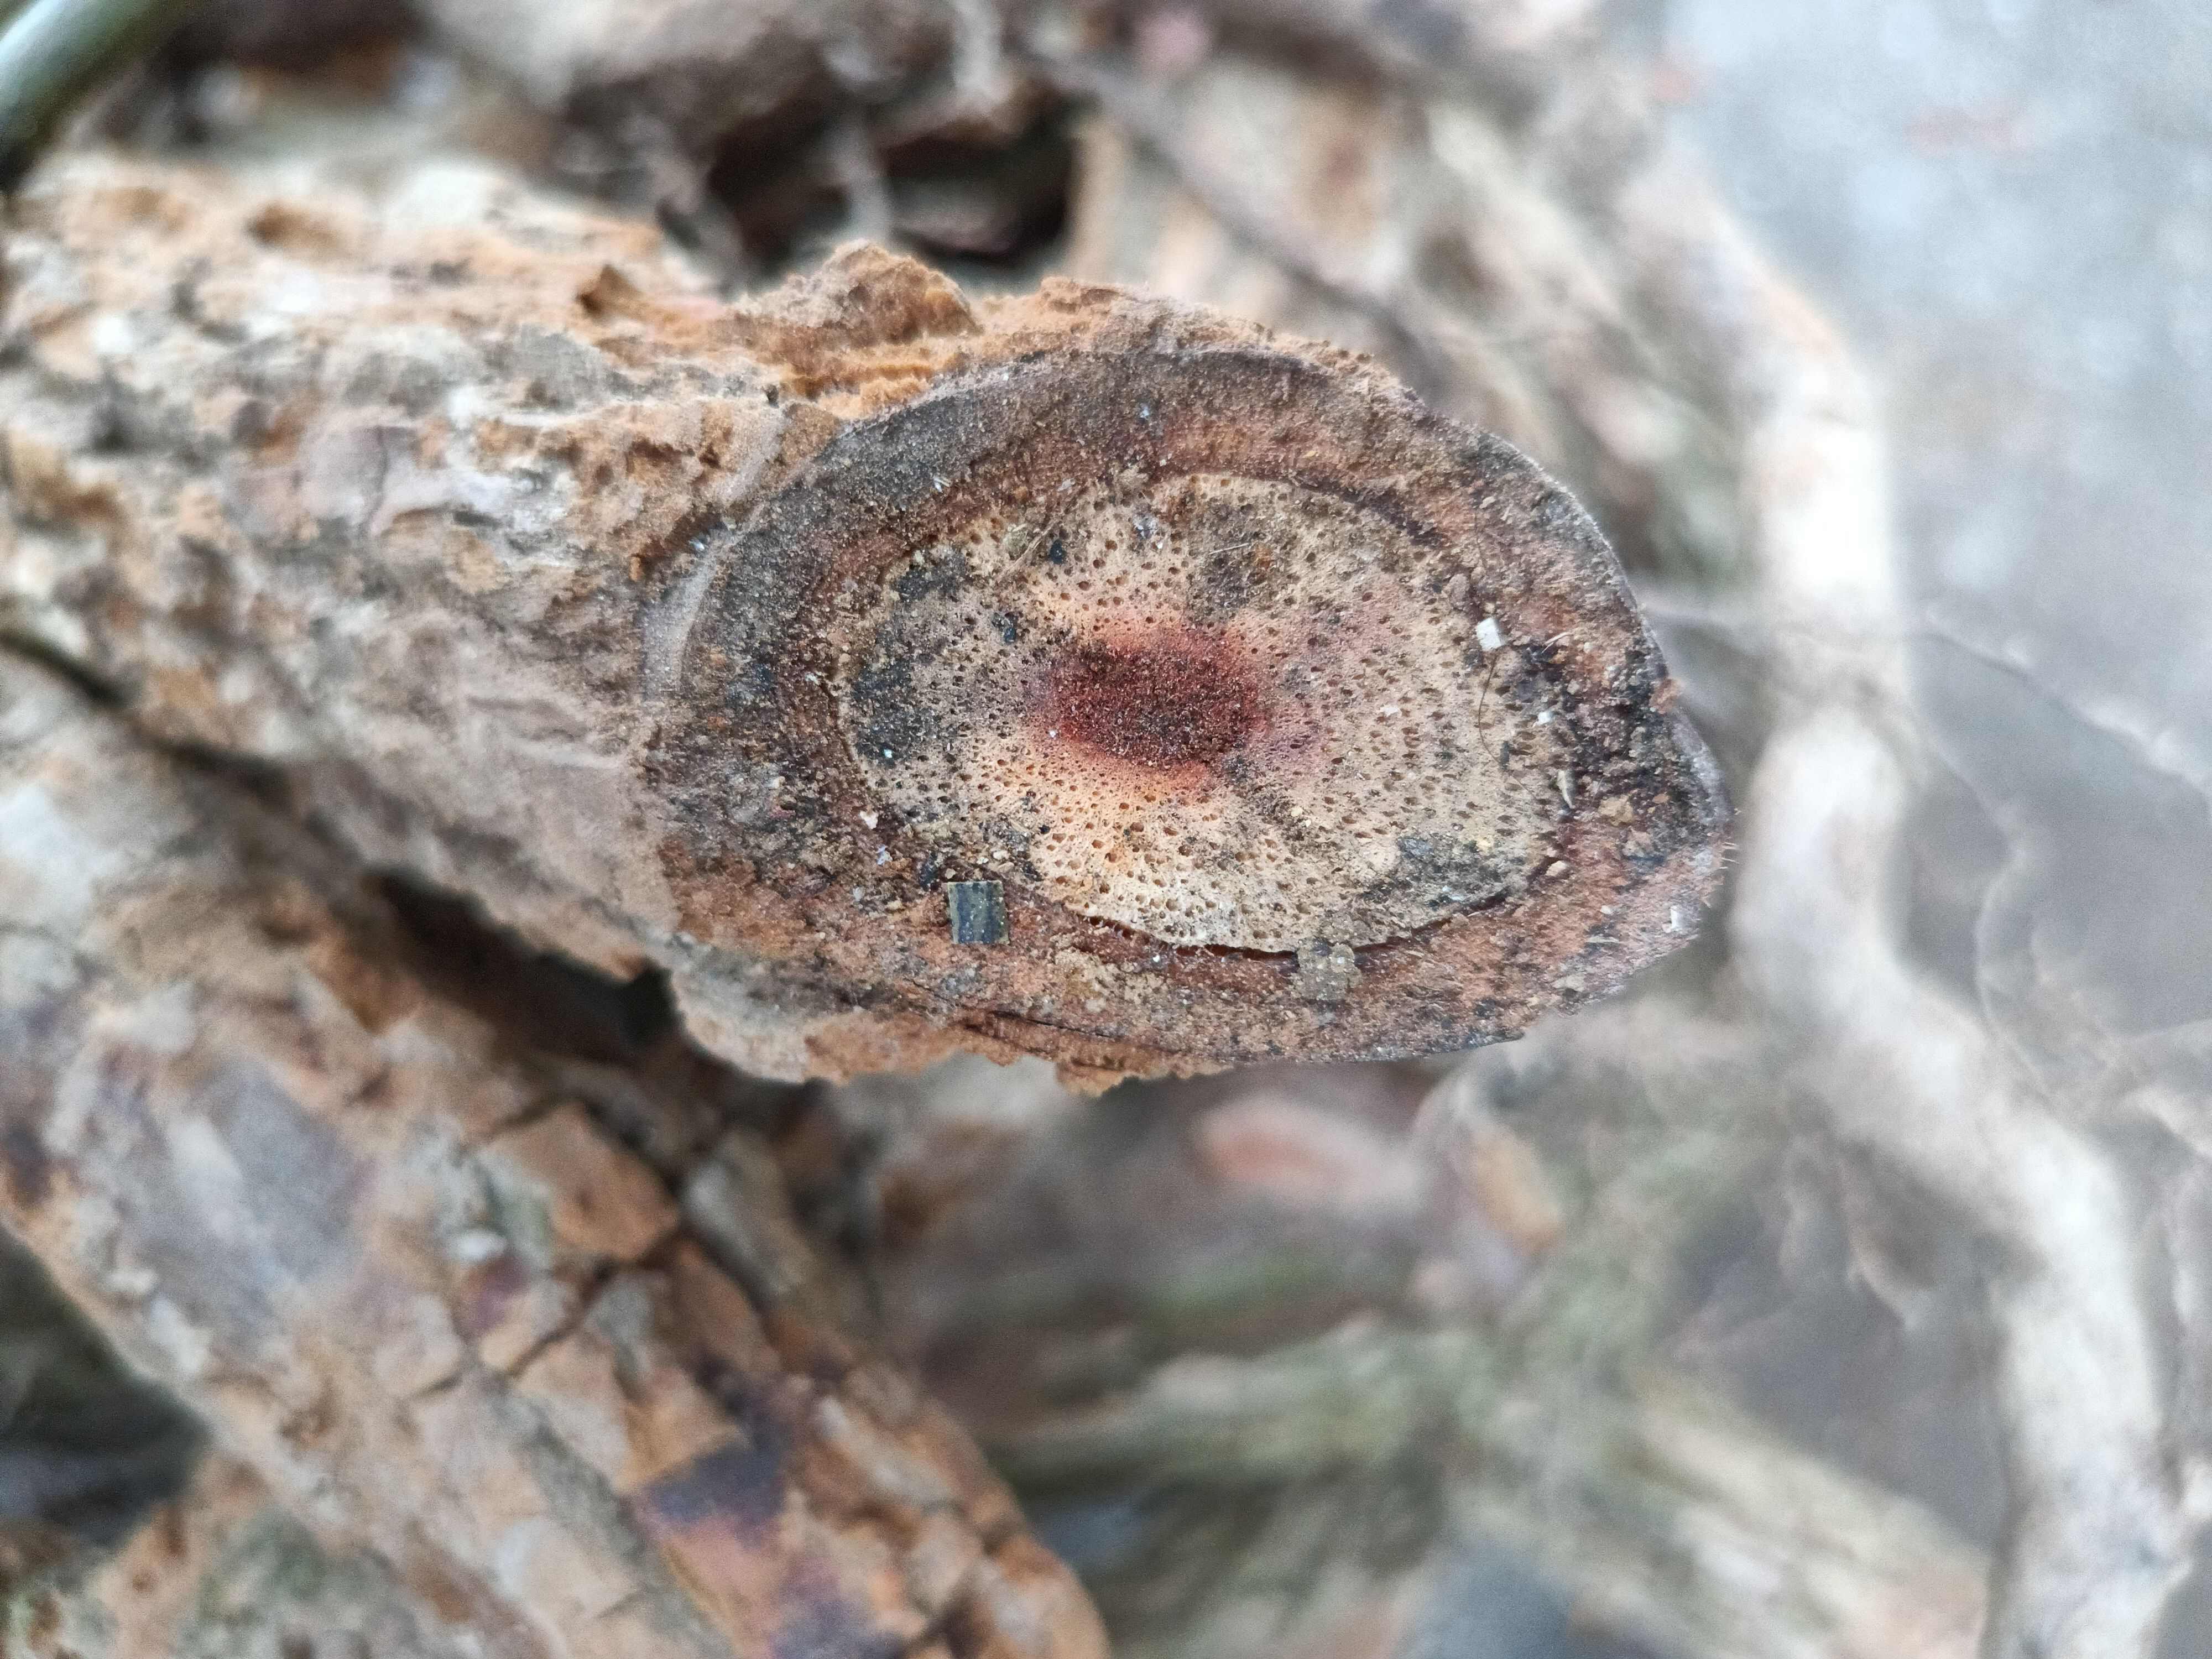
(723, 637)
(430, 1302)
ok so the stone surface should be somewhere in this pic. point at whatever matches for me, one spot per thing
(2007, 204)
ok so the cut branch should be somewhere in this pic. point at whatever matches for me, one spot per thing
(724, 637)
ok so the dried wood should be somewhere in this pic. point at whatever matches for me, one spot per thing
(221, 1572)
(422, 1293)
(1489, 212)
(1293, 719)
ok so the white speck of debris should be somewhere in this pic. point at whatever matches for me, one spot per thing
(859, 896)
(869, 819)
(1144, 412)
(477, 1244)
(1488, 635)
(112, 335)
(775, 782)
(1607, 909)
(1054, 732)
(1558, 867)
(937, 482)
(1544, 717)
(883, 856)
(811, 677)
(1389, 710)
(887, 754)
(698, 543)
(1674, 918)
(131, 1283)
(1566, 782)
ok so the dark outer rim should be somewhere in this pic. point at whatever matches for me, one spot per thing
(779, 889)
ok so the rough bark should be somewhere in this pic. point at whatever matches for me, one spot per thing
(221, 1572)
(423, 1294)
(1293, 720)
(1492, 212)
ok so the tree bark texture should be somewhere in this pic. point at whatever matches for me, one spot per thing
(426, 1298)
(1292, 719)
(221, 1572)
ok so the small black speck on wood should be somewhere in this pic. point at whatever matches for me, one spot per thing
(978, 910)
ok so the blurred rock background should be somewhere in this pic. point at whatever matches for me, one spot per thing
(2008, 206)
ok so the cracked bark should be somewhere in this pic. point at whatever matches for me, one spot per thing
(432, 1304)
(221, 1572)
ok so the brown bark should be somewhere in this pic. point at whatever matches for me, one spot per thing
(1292, 719)
(422, 1294)
(223, 1572)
